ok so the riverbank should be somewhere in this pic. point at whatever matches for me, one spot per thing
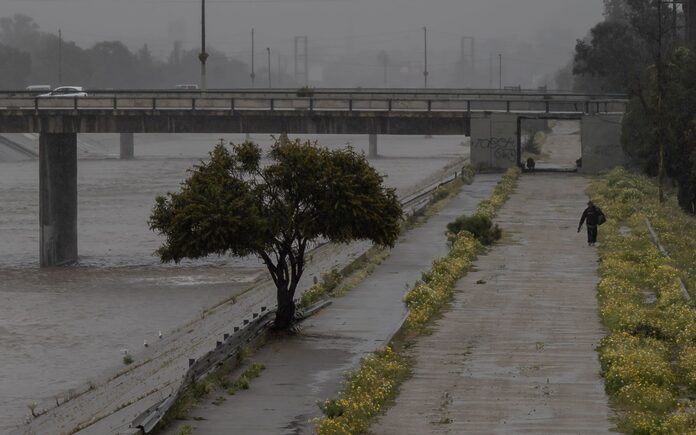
(66, 328)
(307, 368)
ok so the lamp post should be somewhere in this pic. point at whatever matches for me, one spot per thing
(203, 56)
(500, 71)
(268, 50)
(425, 55)
(60, 57)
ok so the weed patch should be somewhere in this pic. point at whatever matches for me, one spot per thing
(648, 358)
(371, 388)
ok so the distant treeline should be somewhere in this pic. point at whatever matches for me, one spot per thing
(30, 56)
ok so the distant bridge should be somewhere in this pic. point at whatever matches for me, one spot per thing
(493, 117)
(285, 111)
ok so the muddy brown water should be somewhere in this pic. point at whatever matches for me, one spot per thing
(61, 327)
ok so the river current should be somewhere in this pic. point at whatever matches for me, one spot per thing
(61, 327)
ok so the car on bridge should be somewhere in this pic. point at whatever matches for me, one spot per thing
(66, 91)
(38, 89)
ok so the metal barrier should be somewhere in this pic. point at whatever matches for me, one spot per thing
(523, 104)
(233, 343)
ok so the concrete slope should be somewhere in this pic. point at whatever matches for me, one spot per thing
(12, 150)
(310, 367)
(515, 353)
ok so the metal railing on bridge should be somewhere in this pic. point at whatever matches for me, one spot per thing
(565, 104)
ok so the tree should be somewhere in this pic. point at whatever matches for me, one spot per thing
(234, 205)
(113, 65)
(15, 67)
(676, 132)
(614, 56)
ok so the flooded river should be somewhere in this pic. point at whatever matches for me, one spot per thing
(61, 327)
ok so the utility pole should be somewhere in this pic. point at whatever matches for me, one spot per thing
(384, 59)
(301, 61)
(425, 54)
(268, 50)
(500, 71)
(203, 56)
(280, 71)
(660, 95)
(468, 50)
(490, 71)
(253, 73)
(60, 57)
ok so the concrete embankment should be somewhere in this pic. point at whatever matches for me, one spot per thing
(114, 399)
(310, 366)
(515, 353)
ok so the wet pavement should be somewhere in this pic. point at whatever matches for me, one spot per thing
(305, 369)
(63, 330)
(516, 351)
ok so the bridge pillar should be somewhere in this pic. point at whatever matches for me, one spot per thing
(493, 141)
(127, 146)
(373, 145)
(58, 198)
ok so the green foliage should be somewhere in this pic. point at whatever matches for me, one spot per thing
(481, 227)
(329, 282)
(645, 128)
(490, 206)
(648, 357)
(234, 205)
(185, 430)
(468, 173)
(244, 380)
(367, 392)
(127, 359)
(612, 57)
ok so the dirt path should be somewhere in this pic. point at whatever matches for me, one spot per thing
(515, 353)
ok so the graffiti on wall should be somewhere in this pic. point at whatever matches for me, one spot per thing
(502, 148)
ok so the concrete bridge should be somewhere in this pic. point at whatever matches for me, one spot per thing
(491, 118)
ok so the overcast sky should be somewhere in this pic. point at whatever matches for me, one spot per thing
(355, 24)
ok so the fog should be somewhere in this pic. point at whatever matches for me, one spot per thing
(536, 32)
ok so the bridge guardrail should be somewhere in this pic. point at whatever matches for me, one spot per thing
(203, 103)
(364, 93)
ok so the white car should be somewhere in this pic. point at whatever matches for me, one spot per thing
(66, 91)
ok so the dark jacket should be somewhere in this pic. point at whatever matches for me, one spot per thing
(591, 215)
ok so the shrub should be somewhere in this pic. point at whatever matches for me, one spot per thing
(367, 391)
(127, 359)
(481, 227)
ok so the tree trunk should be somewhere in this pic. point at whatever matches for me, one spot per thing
(686, 196)
(285, 316)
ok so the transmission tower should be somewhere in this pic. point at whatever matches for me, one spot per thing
(301, 61)
(468, 57)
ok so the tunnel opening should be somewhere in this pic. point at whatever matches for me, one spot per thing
(549, 144)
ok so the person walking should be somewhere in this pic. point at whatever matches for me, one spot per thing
(593, 217)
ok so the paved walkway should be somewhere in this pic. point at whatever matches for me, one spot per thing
(515, 354)
(310, 367)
